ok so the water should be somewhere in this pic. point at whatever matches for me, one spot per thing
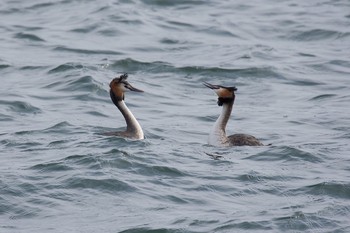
(288, 59)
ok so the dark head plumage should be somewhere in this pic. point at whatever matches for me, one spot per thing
(119, 86)
(225, 94)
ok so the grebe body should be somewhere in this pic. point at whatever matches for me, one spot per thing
(118, 87)
(217, 136)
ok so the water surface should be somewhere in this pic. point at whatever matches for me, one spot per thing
(288, 59)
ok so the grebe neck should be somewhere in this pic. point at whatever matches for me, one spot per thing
(217, 136)
(133, 128)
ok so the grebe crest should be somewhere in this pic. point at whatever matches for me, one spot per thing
(118, 87)
(217, 136)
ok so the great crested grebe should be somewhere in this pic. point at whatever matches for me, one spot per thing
(118, 87)
(217, 136)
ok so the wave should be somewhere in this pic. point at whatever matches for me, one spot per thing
(168, 3)
(317, 34)
(61, 127)
(69, 78)
(333, 66)
(51, 167)
(4, 66)
(233, 225)
(300, 221)
(331, 189)
(131, 65)
(66, 67)
(86, 51)
(286, 154)
(21, 107)
(103, 185)
(322, 97)
(155, 230)
(29, 36)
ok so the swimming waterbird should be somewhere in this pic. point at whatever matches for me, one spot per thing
(217, 136)
(118, 87)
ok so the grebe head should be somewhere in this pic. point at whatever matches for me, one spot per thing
(225, 94)
(119, 86)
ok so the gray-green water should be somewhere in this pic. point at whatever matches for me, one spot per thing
(288, 59)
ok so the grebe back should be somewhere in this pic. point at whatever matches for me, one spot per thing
(118, 87)
(217, 136)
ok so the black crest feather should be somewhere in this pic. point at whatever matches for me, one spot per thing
(123, 77)
(222, 100)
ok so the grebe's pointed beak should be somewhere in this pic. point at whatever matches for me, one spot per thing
(211, 86)
(131, 88)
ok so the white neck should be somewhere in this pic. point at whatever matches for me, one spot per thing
(133, 128)
(217, 136)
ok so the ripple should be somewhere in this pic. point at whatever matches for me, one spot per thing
(77, 86)
(28, 28)
(41, 5)
(90, 161)
(304, 82)
(307, 55)
(96, 113)
(322, 97)
(33, 67)
(245, 225)
(316, 34)
(4, 117)
(165, 171)
(24, 145)
(61, 128)
(168, 3)
(337, 66)
(170, 41)
(285, 154)
(15, 209)
(85, 29)
(256, 177)
(154, 230)
(51, 167)
(130, 65)
(103, 185)
(264, 72)
(84, 83)
(24, 212)
(66, 67)
(300, 221)
(213, 30)
(331, 189)
(28, 36)
(87, 51)
(20, 107)
(4, 66)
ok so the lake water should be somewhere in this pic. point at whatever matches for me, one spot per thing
(290, 61)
